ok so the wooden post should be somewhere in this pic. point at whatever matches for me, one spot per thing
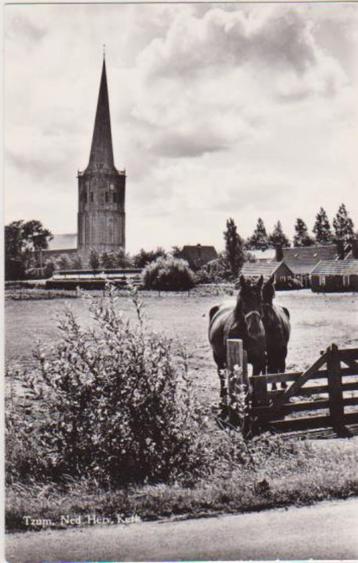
(234, 357)
(259, 392)
(335, 392)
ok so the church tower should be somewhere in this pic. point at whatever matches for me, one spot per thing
(101, 187)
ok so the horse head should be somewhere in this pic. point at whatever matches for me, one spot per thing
(249, 304)
(249, 311)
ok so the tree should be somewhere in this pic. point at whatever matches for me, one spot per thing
(94, 259)
(144, 257)
(76, 262)
(343, 225)
(23, 244)
(259, 239)
(278, 238)
(302, 238)
(234, 252)
(122, 259)
(64, 262)
(108, 260)
(176, 251)
(322, 228)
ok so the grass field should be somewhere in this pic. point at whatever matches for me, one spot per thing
(298, 472)
(317, 321)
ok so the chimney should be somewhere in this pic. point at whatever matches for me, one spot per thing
(340, 249)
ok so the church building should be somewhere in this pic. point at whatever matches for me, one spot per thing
(101, 187)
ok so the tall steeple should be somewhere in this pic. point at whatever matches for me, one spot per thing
(101, 188)
(101, 156)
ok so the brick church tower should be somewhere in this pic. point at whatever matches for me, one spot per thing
(101, 187)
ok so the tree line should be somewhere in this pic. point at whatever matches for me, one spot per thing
(322, 233)
(237, 249)
(25, 241)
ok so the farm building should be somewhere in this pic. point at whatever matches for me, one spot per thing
(281, 272)
(302, 260)
(335, 275)
(198, 255)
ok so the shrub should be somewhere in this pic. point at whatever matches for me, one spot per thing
(76, 262)
(49, 268)
(112, 403)
(94, 259)
(168, 274)
(215, 271)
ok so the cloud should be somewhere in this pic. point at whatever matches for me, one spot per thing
(217, 110)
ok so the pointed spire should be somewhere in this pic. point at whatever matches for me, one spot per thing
(101, 156)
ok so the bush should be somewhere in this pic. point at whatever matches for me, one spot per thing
(215, 271)
(168, 274)
(113, 403)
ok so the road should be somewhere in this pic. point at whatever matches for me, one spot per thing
(327, 530)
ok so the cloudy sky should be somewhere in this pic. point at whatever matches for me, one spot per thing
(218, 110)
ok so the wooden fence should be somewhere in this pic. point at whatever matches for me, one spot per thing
(323, 396)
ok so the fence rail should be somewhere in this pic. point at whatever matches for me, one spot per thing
(297, 407)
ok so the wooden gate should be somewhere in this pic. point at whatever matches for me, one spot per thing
(323, 396)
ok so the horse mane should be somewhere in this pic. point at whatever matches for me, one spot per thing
(268, 292)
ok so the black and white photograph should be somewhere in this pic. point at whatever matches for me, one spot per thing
(181, 278)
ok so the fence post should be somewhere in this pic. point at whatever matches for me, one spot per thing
(236, 357)
(259, 392)
(335, 391)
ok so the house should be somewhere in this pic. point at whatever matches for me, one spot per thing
(198, 255)
(61, 245)
(335, 275)
(301, 260)
(281, 272)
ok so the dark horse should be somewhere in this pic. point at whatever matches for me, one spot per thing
(244, 321)
(276, 320)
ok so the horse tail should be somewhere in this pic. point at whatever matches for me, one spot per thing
(286, 311)
(213, 311)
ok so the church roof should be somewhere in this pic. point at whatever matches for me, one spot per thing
(101, 156)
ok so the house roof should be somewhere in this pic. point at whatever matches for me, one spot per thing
(256, 269)
(199, 252)
(336, 267)
(301, 260)
(63, 242)
(267, 255)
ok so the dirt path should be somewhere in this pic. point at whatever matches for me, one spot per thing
(327, 530)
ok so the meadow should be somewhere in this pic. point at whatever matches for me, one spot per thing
(275, 473)
(317, 321)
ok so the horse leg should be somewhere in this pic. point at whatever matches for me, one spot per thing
(282, 367)
(272, 368)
